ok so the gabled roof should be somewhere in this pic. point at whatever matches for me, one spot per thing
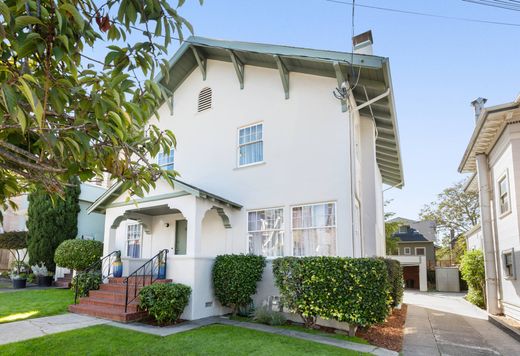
(104, 201)
(372, 81)
(490, 124)
(411, 236)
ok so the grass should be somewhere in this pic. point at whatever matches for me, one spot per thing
(28, 304)
(209, 340)
(308, 331)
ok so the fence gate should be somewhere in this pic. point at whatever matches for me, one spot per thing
(447, 279)
(5, 256)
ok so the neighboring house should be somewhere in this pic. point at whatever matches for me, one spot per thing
(417, 254)
(493, 156)
(271, 163)
(90, 226)
(426, 227)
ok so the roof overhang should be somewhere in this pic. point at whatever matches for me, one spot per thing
(104, 202)
(372, 79)
(490, 125)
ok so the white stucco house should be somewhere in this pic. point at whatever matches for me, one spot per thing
(493, 156)
(271, 162)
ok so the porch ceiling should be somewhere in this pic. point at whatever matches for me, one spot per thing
(155, 210)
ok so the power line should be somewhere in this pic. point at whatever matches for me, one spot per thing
(388, 9)
(500, 4)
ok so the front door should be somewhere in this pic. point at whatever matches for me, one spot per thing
(181, 235)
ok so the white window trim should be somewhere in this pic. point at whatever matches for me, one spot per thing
(238, 165)
(285, 237)
(291, 239)
(409, 251)
(140, 239)
(503, 176)
(504, 253)
(424, 248)
(166, 164)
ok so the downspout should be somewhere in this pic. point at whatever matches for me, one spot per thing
(352, 110)
(487, 235)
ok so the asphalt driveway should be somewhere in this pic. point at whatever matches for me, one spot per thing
(445, 324)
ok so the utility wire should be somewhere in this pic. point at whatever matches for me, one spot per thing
(500, 4)
(466, 19)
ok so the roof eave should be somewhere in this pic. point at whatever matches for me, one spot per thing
(478, 128)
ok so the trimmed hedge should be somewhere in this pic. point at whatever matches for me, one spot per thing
(235, 278)
(395, 279)
(473, 272)
(165, 302)
(352, 290)
(13, 240)
(78, 254)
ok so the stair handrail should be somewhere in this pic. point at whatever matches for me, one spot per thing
(96, 266)
(161, 256)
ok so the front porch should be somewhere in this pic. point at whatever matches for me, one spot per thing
(192, 225)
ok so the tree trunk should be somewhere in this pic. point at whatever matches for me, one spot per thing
(352, 329)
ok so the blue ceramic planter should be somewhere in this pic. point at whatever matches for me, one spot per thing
(117, 268)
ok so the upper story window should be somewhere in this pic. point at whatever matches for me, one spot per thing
(266, 229)
(314, 229)
(205, 97)
(165, 160)
(403, 229)
(250, 145)
(420, 251)
(407, 251)
(503, 195)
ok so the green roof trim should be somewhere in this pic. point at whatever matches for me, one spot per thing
(104, 201)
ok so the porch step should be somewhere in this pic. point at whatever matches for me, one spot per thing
(109, 301)
(64, 282)
(104, 312)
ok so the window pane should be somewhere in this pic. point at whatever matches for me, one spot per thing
(266, 230)
(251, 153)
(133, 241)
(166, 161)
(314, 242)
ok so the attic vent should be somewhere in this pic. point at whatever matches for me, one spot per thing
(204, 99)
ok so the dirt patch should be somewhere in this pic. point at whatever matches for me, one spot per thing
(151, 321)
(389, 334)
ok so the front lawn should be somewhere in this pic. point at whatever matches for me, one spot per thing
(209, 340)
(28, 304)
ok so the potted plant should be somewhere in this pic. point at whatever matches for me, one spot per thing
(161, 267)
(117, 265)
(16, 243)
(43, 275)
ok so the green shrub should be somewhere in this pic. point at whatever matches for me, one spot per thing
(395, 279)
(78, 254)
(235, 278)
(352, 290)
(86, 282)
(269, 317)
(165, 302)
(473, 272)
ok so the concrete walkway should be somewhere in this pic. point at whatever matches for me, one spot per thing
(28, 329)
(446, 324)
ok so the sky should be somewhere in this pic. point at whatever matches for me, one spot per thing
(438, 67)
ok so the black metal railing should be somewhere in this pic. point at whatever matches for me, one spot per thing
(151, 270)
(101, 269)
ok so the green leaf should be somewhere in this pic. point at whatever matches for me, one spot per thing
(24, 21)
(22, 119)
(26, 91)
(71, 10)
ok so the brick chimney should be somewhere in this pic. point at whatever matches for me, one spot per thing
(363, 43)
